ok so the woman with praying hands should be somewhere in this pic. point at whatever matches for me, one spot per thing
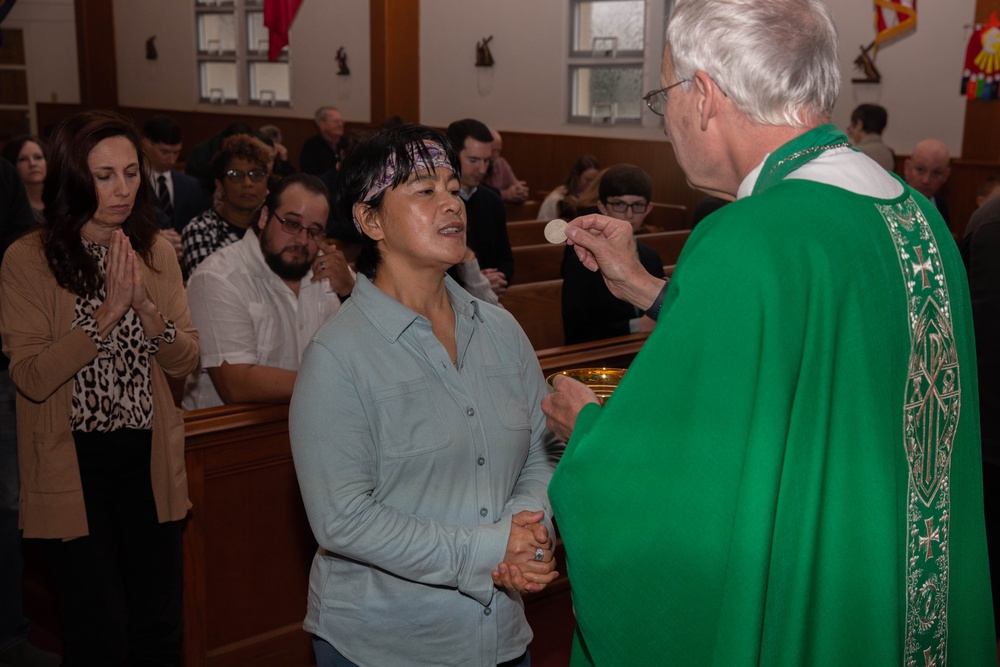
(94, 317)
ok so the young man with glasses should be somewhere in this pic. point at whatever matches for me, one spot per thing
(258, 302)
(240, 186)
(589, 310)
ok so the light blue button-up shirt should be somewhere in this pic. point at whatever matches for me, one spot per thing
(411, 468)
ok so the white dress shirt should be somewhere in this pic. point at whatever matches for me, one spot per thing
(247, 315)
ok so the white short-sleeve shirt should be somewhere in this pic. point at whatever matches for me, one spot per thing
(247, 315)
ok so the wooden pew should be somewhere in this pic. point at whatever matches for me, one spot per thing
(247, 544)
(536, 263)
(668, 217)
(542, 261)
(537, 307)
(668, 245)
(662, 218)
(527, 210)
(526, 232)
(611, 352)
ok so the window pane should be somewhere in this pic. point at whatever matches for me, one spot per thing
(218, 82)
(614, 25)
(606, 91)
(257, 34)
(216, 33)
(269, 83)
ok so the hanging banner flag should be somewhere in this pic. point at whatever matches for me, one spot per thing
(893, 18)
(981, 75)
(278, 17)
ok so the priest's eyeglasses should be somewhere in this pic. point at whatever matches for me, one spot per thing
(293, 228)
(237, 175)
(656, 100)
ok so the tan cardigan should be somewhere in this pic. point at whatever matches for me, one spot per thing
(45, 354)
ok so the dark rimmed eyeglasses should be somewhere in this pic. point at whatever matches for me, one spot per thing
(656, 100)
(622, 206)
(237, 175)
(291, 227)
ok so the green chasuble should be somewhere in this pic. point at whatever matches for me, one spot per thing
(789, 473)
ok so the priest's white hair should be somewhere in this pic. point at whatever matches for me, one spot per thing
(775, 59)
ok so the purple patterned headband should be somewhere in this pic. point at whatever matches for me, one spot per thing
(438, 159)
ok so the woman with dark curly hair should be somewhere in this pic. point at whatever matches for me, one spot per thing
(27, 154)
(94, 317)
(424, 477)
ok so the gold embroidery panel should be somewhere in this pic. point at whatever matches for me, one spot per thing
(932, 405)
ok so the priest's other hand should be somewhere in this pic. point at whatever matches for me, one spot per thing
(562, 406)
(608, 244)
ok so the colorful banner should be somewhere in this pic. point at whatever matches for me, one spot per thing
(278, 17)
(981, 76)
(893, 18)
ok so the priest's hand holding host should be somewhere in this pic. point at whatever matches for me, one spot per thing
(603, 244)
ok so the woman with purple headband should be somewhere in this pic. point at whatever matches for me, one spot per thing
(420, 448)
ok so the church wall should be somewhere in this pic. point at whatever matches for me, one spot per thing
(525, 91)
(49, 29)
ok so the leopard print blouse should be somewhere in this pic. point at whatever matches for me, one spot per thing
(114, 391)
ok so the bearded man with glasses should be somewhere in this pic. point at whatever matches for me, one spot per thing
(790, 471)
(258, 301)
(589, 310)
(240, 187)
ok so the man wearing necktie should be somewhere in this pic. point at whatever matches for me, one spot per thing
(178, 197)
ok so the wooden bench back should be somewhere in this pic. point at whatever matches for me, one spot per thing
(669, 217)
(527, 232)
(527, 210)
(542, 261)
(668, 245)
(537, 307)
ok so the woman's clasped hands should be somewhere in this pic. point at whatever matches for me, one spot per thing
(529, 564)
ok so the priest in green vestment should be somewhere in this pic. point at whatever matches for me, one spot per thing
(789, 473)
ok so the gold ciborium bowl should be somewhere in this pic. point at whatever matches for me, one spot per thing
(601, 381)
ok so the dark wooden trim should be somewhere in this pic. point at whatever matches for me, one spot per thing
(95, 47)
(395, 60)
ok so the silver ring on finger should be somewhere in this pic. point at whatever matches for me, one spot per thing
(539, 554)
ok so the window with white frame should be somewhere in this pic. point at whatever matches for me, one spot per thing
(232, 55)
(610, 44)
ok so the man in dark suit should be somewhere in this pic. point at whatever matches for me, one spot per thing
(177, 197)
(486, 220)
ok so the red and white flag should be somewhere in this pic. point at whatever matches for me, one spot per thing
(892, 18)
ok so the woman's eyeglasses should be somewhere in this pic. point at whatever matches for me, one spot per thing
(237, 175)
